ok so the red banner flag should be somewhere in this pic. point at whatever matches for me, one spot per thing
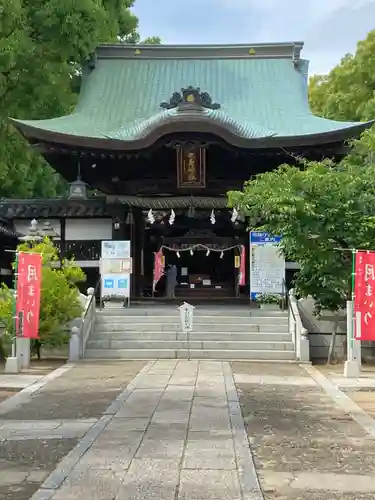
(158, 267)
(242, 266)
(364, 296)
(28, 294)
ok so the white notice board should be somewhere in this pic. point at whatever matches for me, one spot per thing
(267, 264)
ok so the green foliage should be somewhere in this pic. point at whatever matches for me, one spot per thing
(151, 40)
(6, 320)
(322, 212)
(60, 301)
(347, 92)
(42, 46)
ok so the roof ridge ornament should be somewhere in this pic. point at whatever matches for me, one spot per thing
(190, 96)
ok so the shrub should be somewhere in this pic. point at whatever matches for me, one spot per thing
(60, 302)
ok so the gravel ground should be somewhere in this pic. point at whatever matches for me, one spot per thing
(274, 369)
(364, 399)
(314, 495)
(298, 430)
(7, 393)
(85, 391)
(24, 465)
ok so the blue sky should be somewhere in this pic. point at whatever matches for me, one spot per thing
(329, 28)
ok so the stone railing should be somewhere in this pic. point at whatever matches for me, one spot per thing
(81, 333)
(299, 333)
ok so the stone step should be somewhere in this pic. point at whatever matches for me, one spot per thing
(219, 336)
(199, 320)
(194, 344)
(176, 328)
(232, 354)
(173, 312)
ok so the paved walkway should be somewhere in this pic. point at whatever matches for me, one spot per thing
(176, 432)
(15, 430)
(181, 430)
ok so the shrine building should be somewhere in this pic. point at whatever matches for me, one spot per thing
(160, 134)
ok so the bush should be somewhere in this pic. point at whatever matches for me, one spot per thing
(60, 301)
(6, 319)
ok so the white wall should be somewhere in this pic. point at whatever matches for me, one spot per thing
(88, 229)
(22, 226)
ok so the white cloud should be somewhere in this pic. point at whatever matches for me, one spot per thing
(330, 28)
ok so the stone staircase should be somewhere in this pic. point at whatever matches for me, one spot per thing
(221, 332)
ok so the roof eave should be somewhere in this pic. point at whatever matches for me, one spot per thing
(32, 133)
(290, 50)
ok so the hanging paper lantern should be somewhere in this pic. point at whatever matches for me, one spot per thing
(150, 216)
(212, 217)
(172, 217)
(234, 215)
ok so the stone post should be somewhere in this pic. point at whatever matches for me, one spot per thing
(74, 344)
(23, 351)
(304, 346)
(352, 367)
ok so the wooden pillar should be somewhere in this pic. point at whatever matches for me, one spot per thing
(132, 233)
(62, 238)
(136, 238)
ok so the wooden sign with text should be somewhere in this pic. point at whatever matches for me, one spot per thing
(191, 168)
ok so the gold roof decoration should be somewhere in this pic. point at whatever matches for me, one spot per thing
(252, 52)
(137, 52)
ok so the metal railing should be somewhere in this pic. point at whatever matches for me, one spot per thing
(299, 334)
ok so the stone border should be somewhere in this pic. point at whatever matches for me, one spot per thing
(247, 473)
(343, 401)
(25, 394)
(67, 464)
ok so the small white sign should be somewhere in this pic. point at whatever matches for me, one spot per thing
(115, 266)
(186, 317)
(116, 286)
(116, 249)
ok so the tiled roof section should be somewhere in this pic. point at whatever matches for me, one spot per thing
(7, 231)
(27, 209)
(259, 97)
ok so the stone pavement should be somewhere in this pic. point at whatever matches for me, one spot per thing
(14, 430)
(18, 381)
(174, 430)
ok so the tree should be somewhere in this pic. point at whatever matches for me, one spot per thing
(60, 300)
(43, 43)
(347, 92)
(322, 211)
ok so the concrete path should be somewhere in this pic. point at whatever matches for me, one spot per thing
(180, 430)
(176, 432)
(14, 430)
(18, 381)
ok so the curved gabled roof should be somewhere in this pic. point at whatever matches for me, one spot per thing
(261, 90)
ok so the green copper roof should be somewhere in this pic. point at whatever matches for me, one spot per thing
(262, 93)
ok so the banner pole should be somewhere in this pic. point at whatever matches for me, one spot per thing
(352, 366)
(354, 252)
(14, 307)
